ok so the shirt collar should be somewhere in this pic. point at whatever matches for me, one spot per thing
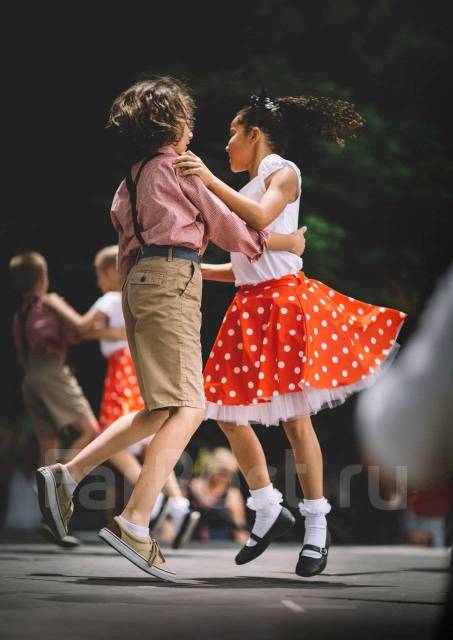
(168, 149)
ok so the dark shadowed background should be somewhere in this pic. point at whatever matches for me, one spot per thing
(378, 212)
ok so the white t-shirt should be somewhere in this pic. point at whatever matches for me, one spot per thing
(110, 305)
(272, 264)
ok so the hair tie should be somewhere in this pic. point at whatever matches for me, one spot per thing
(263, 101)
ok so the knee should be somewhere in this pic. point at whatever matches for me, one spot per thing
(229, 428)
(297, 430)
(192, 416)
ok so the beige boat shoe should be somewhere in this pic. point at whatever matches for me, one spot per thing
(55, 501)
(145, 553)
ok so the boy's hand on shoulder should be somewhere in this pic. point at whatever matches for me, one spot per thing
(299, 241)
(189, 164)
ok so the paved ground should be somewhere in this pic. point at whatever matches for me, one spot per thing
(366, 592)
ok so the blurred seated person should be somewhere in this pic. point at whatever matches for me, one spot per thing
(426, 515)
(216, 495)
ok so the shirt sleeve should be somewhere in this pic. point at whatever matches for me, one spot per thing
(104, 304)
(223, 226)
(124, 261)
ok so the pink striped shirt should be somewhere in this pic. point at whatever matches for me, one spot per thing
(44, 331)
(178, 210)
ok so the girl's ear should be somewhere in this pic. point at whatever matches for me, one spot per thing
(255, 134)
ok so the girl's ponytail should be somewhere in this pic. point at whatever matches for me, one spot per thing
(286, 120)
(326, 116)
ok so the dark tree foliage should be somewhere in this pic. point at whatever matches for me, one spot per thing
(378, 211)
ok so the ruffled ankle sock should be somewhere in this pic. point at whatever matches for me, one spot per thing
(266, 504)
(315, 512)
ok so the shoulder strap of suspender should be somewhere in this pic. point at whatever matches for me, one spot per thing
(131, 185)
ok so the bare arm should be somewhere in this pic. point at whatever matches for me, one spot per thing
(105, 333)
(81, 324)
(228, 231)
(283, 188)
(217, 272)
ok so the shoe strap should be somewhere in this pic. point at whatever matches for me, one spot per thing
(322, 550)
(253, 536)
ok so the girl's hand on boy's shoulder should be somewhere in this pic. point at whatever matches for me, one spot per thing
(189, 164)
(53, 300)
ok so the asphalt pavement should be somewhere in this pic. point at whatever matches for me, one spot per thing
(366, 592)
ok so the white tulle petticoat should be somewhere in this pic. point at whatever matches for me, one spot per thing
(287, 406)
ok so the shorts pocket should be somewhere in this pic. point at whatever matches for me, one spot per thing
(147, 278)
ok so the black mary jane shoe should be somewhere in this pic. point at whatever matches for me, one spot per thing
(283, 524)
(308, 567)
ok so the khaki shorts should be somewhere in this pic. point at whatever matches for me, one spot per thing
(161, 306)
(52, 395)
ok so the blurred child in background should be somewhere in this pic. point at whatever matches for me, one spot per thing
(121, 396)
(52, 396)
(215, 495)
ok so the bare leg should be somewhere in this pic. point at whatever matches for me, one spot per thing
(87, 428)
(249, 453)
(127, 464)
(266, 500)
(122, 433)
(171, 487)
(162, 454)
(307, 456)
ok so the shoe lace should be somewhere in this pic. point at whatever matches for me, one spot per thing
(155, 553)
(67, 507)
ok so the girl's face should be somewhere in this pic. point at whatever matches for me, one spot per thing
(108, 279)
(240, 147)
(183, 143)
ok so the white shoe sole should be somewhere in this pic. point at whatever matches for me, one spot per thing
(49, 503)
(127, 552)
(68, 542)
(193, 521)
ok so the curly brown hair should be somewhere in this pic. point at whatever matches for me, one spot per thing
(286, 119)
(149, 115)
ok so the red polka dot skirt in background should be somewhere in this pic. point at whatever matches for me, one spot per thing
(292, 346)
(121, 392)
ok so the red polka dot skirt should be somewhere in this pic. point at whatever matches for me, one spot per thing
(121, 392)
(292, 346)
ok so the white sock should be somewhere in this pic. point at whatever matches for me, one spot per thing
(69, 481)
(315, 512)
(266, 504)
(136, 529)
(178, 508)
